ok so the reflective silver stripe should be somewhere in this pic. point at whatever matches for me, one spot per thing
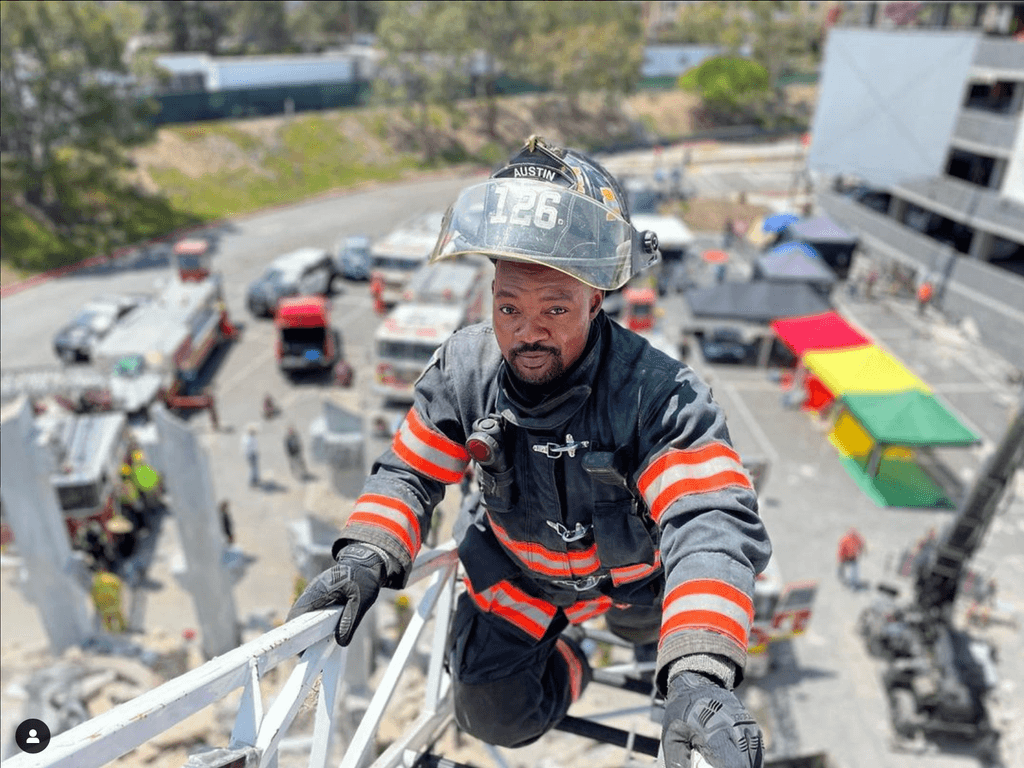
(429, 452)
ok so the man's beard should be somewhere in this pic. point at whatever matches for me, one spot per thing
(556, 369)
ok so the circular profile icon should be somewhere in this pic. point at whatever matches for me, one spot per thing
(32, 736)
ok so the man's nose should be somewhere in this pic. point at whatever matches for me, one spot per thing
(531, 330)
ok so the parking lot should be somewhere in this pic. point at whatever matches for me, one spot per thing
(823, 696)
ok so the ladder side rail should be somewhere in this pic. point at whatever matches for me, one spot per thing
(121, 729)
(367, 730)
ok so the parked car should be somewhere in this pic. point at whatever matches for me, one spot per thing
(76, 340)
(307, 271)
(724, 345)
(353, 258)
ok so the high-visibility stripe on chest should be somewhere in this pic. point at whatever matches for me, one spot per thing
(677, 473)
(628, 573)
(428, 452)
(530, 614)
(550, 562)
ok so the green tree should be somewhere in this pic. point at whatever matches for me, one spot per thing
(708, 24)
(497, 27)
(426, 59)
(732, 89)
(191, 25)
(315, 25)
(578, 47)
(66, 112)
(259, 26)
(64, 86)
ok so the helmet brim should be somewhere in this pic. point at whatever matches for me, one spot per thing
(536, 222)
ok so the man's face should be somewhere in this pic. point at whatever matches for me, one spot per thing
(541, 318)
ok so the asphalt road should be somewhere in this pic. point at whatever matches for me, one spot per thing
(824, 695)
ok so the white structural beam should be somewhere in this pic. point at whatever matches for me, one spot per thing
(40, 532)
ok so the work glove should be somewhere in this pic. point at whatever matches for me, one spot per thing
(701, 715)
(353, 583)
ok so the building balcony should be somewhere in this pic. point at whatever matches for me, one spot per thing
(966, 203)
(999, 56)
(986, 132)
(880, 230)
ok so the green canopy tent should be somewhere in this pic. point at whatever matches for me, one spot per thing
(908, 419)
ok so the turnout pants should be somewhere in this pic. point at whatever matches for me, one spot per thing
(511, 688)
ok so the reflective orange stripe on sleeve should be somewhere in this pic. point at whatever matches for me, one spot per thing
(530, 614)
(391, 515)
(708, 604)
(429, 452)
(677, 473)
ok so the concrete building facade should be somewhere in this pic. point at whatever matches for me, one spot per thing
(918, 146)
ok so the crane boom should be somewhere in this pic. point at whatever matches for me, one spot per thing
(939, 576)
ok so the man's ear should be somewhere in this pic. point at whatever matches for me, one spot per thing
(595, 303)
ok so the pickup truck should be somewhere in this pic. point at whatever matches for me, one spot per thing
(306, 341)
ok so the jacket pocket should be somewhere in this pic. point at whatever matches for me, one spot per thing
(497, 489)
(621, 536)
(485, 561)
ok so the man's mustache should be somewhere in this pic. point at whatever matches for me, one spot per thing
(526, 348)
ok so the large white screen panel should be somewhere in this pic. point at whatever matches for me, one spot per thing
(888, 102)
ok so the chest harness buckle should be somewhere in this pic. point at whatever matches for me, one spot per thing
(580, 585)
(554, 450)
(570, 535)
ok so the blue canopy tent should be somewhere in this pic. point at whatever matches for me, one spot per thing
(778, 222)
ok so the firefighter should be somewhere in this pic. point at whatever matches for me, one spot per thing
(106, 596)
(146, 481)
(377, 292)
(609, 484)
(851, 547)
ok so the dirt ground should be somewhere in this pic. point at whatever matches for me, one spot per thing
(707, 214)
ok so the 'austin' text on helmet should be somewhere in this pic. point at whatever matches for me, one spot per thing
(554, 207)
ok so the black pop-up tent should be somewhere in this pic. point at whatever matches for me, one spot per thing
(834, 243)
(755, 302)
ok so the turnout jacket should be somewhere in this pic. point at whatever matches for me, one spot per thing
(621, 488)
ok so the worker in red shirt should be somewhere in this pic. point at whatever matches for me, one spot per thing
(851, 547)
(924, 296)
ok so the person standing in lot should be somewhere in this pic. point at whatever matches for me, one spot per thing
(851, 547)
(924, 296)
(609, 482)
(293, 447)
(251, 451)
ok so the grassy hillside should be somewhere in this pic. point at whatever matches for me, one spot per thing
(204, 171)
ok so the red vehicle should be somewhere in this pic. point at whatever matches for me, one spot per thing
(638, 312)
(306, 341)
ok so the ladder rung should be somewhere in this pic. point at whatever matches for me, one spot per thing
(608, 735)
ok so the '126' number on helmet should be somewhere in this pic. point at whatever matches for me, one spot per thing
(531, 208)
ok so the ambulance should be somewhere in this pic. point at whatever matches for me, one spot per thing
(396, 256)
(404, 343)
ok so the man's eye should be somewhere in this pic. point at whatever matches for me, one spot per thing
(558, 310)
(506, 310)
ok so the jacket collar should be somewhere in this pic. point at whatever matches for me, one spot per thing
(567, 394)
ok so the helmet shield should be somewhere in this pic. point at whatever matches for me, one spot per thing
(533, 221)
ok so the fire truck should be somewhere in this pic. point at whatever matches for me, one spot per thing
(405, 342)
(155, 352)
(395, 257)
(88, 451)
(463, 283)
(160, 350)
